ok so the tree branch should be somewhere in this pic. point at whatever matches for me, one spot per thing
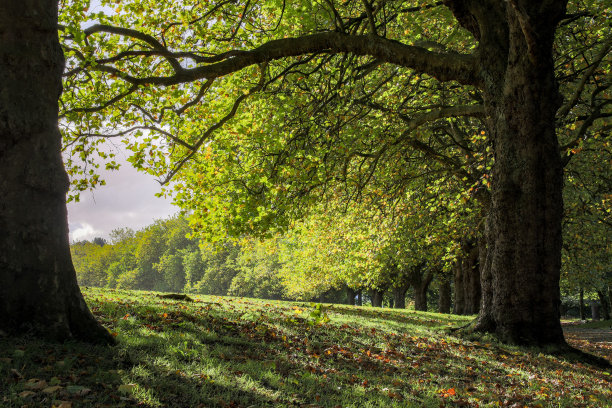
(605, 48)
(444, 66)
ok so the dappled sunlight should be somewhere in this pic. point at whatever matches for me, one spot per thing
(238, 352)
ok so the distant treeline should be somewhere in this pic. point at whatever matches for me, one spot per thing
(304, 264)
(162, 257)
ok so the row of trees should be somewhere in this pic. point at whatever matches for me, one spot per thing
(259, 112)
(161, 257)
(339, 258)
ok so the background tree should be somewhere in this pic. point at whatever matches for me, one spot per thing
(218, 267)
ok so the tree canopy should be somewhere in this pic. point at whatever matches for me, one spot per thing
(257, 111)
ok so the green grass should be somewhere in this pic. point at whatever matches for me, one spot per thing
(235, 352)
(594, 324)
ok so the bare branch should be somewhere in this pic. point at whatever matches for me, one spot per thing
(567, 107)
(198, 97)
(106, 104)
(128, 32)
(370, 15)
(125, 132)
(445, 66)
(452, 111)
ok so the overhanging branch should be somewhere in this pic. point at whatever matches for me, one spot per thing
(444, 66)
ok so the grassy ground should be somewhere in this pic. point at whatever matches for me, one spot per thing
(594, 337)
(593, 324)
(233, 352)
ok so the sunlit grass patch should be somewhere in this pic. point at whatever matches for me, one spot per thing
(234, 352)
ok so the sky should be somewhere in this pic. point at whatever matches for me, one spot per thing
(127, 200)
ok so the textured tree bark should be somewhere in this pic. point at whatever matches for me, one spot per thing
(485, 321)
(467, 280)
(595, 310)
(350, 294)
(399, 296)
(605, 310)
(444, 296)
(377, 297)
(420, 300)
(420, 292)
(581, 306)
(524, 241)
(471, 267)
(459, 304)
(38, 289)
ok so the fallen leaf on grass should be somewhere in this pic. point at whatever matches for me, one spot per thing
(52, 390)
(61, 404)
(55, 381)
(77, 390)
(127, 388)
(35, 384)
(26, 394)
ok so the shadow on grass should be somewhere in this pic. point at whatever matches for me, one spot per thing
(178, 355)
(402, 316)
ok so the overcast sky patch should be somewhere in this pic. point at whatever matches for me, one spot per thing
(127, 200)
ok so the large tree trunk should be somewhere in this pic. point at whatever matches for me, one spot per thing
(377, 297)
(444, 296)
(467, 280)
(399, 296)
(605, 310)
(459, 304)
(420, 292)
(38, 289)
(350, 296)
(521, 99)
(486, 321)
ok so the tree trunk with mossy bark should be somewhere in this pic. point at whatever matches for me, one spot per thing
(377, 297)
(420, 283)
(605, 310)
(521, 100)
(421, 286)
(444, 296)
(399, 295)
(467, 280)
(350, 296)
(39, 294)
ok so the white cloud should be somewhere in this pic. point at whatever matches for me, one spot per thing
(82, 232)
(127, 200)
